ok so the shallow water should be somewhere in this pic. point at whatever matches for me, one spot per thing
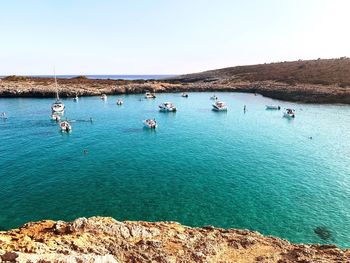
(252, 170)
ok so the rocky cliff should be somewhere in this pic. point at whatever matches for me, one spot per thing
(101, 239)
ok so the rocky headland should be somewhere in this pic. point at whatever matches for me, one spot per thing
(103, 239)
(313, 81)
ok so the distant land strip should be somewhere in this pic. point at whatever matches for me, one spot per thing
(309, 81)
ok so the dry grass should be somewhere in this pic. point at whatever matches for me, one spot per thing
(320, 71)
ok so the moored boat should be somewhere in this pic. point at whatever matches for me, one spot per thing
(214, 97)
(273, 107)
(220, 106)
(103, 97)
(76, 98)
(184, 95)
(289, 113)
(58, 106)
(65, 126)
(150, 123)
(55, 117)
(167, 107)
(120, 102)
(3, 115)
(150, 95)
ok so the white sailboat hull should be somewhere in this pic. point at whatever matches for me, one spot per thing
(58, 107)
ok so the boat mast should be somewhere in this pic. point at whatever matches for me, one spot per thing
(54, 72)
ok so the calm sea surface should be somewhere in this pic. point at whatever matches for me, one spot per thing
(254, 170)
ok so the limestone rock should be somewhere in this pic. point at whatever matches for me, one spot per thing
(103, 239)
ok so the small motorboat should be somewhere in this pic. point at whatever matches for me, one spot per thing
(167, 107)
(120, 102)
(289, 113)
(184, 95)
(149, 123)
(220, 106)
(76, 98)
(55, 117)
(65, 126)
(3, 116)
(103, 97)
(273, 107)
(214, 97)
(150, 95)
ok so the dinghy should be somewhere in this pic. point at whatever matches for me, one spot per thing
(65, 126)
(151, 124)
(289, 113)
(273, 107)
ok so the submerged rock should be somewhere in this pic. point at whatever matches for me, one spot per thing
(323, 232)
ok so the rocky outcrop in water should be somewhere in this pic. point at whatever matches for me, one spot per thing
(101, 239)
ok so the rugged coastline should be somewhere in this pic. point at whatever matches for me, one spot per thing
(44, 87)
(103, 239)
(309, 81)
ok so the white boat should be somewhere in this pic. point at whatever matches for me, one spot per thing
(120, 102)
(3, 115)
(219, 106)
(273, 107)
(214, 97)
(185, 95)
(167, 107)
(55, 117)
(76, 98)
(150, 95)
(57, 106)
(289, 113)
(103, 97)
(151, 124)
(65, 126)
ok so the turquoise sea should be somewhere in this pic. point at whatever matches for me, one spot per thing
(254, 170)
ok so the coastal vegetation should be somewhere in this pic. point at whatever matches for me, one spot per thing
(320, 71)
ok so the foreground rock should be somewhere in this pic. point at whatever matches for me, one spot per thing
(101, 239)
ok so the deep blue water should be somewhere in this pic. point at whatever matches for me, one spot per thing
(254, 170)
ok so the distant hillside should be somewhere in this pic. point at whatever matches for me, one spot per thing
(310, 81)
(320, 71)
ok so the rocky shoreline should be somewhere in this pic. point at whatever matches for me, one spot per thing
(103, 239)
(44, 87)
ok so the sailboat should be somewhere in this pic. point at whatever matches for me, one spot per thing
(57, 106)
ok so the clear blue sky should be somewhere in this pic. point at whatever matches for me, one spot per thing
(166, 36)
